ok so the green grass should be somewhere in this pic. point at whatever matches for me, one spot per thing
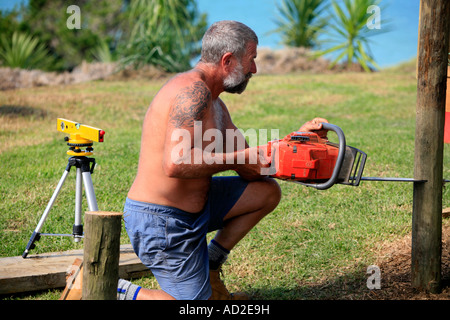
(313, 240)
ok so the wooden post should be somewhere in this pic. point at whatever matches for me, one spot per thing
(430, 109)
(101, 255)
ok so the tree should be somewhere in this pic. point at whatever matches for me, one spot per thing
(165, 33)
(47, 20)
(348, 26)
(300, 22)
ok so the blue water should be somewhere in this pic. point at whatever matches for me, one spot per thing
(389, 48)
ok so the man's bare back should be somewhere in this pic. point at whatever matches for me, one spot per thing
(182, 100)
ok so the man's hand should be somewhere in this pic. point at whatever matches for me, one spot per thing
(255, 161)
(315, 125)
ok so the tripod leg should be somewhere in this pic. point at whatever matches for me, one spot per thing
(35, 236)
(78, 227)
(90, 193)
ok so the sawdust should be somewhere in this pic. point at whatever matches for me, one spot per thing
(395, 264)
(394, 261)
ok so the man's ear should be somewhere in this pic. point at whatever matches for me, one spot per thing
(227, 61)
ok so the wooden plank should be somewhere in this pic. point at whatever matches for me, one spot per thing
(446, 213)
(48, 271)
(74, 282)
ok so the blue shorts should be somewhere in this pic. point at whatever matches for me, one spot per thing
(172, 242)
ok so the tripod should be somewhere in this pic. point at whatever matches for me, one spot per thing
(85, 167)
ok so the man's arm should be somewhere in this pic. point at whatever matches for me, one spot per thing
(184, 156)
(190, 105)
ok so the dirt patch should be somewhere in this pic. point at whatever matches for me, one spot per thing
(283, 61)
(20, 78)
(146, 72)
(394, 261)
(395, 264)
(16, 111)
(293, 60)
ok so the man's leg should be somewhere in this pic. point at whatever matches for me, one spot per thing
(171, 243)
(257, 200)
(149, 294)
(129, 291)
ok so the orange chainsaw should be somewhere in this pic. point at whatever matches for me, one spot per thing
(306, 158)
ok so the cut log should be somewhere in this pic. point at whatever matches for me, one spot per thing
(101, 255)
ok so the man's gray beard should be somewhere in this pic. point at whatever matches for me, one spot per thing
(237, 81)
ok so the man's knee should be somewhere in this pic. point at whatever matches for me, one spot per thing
(275, 192)
(261, 196)
(270, 194)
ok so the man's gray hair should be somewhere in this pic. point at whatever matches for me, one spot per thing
(226, 36)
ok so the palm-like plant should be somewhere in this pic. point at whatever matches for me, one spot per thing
(348, 27)
(299, 22)
(164, 33)
(23, 51)
(102, 52)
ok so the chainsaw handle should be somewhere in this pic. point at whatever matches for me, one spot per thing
(339, 160)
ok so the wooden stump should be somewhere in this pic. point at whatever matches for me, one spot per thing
(101, 255)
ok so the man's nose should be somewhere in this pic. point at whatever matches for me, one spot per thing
(253, 69)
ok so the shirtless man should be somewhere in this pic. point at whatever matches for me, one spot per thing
(174, 203)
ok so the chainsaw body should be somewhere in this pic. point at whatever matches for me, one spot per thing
(305, 158)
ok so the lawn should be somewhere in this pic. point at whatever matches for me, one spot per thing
(326, 237)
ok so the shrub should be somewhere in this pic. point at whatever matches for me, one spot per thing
(23, 51)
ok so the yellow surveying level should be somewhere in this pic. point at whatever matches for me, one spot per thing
(80, 135)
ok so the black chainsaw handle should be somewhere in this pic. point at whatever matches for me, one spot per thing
(339, 160)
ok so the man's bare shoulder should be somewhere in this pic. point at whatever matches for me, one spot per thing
(184, 81)
(190, 99)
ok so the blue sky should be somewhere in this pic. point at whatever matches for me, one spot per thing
(389, 48)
